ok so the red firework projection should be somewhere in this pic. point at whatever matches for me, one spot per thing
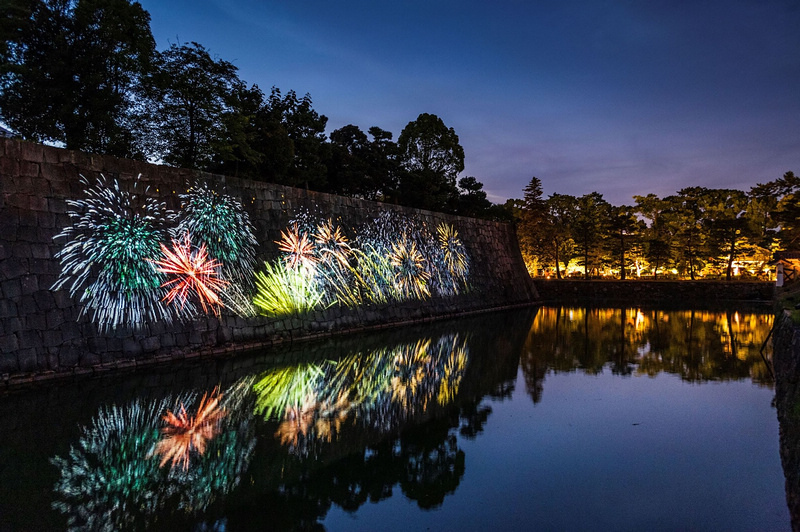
(196, 273)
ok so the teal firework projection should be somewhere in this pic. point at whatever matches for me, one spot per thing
(105, 259)
(390, 259)
(219, 222)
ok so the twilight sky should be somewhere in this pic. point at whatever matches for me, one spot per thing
(618, 97)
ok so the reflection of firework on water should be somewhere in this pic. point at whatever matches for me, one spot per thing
(112, 480)
(195, 274)
(287, 389)
(104, 260)
(410, 275)
(414, 368)
(107, 482)
(220, 222)
(184, 433)
(298, 248)
(454, 253)
(281, 291)
(378, 389)
(453, 371)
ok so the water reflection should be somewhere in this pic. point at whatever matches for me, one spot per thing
(280, 440)
(137, 463)
(698, 345)
(117, 477)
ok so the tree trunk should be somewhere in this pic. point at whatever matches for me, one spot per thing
(585, 259)
(730, 260)
(558, 266)
(622, 256)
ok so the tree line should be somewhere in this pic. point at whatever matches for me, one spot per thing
(86, 74)
(696, 232)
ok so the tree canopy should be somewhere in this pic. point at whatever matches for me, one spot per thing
(86, 74)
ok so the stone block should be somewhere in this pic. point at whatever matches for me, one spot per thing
(131, 347)
(27, 360)
(9, 343)
(167, 340)
(12, 289)
(99, 344)
(43, 298)
(28, 338)
(31, 151)
(55, 318)
(52, 338)
(35, 322)
(150, 344)
(50, 155)
(195, 338)
(11, 325)
(38, 203)
(29, 284)
(8, 309)
(8, 363)
(28, 169)
(62, 299)
(87, 359)
(8, 167)
(68, 356)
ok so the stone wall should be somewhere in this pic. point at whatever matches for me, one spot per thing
(42, 331)
(786, 363)
(654, 291)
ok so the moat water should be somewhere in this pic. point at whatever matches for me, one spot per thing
(551, 418)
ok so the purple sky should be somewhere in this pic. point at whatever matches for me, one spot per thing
(621, 98)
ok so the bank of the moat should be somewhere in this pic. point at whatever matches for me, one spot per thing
(653, 292)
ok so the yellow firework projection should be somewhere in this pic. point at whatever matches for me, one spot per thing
(298, 248)
(455, 258)
(331, 243)
(410, 274)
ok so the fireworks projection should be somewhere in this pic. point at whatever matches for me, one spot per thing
(104, 261)
(130, 261)
(220, 223)
(379, 390)
(192, 273)
(389, 259)
(120, 475)
(117, 260)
